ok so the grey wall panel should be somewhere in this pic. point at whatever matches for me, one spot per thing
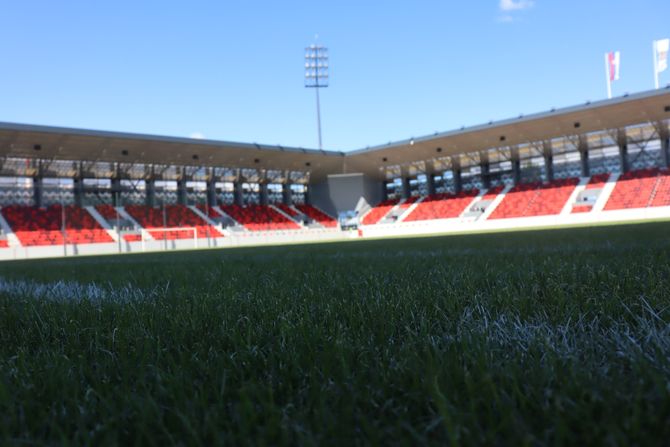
(342, 192)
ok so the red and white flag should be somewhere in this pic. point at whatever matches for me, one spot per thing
(661, 48)
(614, 61)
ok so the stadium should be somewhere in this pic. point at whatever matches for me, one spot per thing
(72, 191)
(501, 283)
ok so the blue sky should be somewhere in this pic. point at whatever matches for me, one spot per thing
(233, 70)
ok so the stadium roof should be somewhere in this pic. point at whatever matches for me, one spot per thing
(31, 141)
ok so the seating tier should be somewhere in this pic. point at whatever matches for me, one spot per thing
(259, 218)
(44, 226)
(174, 216)
(535, 199)
(287, 209)
(317, 215)
(378, 212)
(442, 206)
(636, 189)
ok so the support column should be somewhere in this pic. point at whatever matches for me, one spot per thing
(664, 136)
(548, 160)
(516, 165)
(430, 177)
(150, 191)
(238, 194)
(116, 191)
(406, 191)
(181, 191)
(287, 196)
(78, 188)
(385, 193)
(583, 148)
(211, 189)
(456, 168)
(622, 141)
(263, 190)
(485, 167)
(37, 190)
(430, 182)
(308, 199)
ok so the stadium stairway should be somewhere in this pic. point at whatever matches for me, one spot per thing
(110, 214)
(124, 215)
(207, 219)
(661, 195)
(317, 215)
(410, 209)
(237, 226)
(393, 214)
(102, 222)
(287, 215)
(289, 209)
(468, 212)
(12, 240)
(607, 188)
(496, 195)
(572, 200)
(379, 212)
(587, 194)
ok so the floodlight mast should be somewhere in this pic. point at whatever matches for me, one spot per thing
(316, 76)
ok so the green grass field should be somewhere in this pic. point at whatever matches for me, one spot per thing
(557, 337)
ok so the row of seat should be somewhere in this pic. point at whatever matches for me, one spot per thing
(596, 182)
(44, 226)
(171, 216)
(54, 225)
(259, 217)
(581, 209)
(528, 199)
(287, 209)
(317, 215)
(535, 199)
(378, 212)
(442, 206)
(640, 189)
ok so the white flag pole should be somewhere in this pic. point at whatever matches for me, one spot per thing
(607, 75)
(654, 46)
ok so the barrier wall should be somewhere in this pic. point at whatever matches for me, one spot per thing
(236, 240)
(251, 238)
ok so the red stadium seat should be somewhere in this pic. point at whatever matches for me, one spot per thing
(442, 206)
(208, 211)
(317, 215)
(640, 189)
(43, 226)
(535, 199)
(259, 217)
(287, 209)
(378, 212)
(175, 216)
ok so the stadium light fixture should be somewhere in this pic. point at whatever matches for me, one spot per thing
(316, 76)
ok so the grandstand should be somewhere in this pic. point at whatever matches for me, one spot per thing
(73, 191)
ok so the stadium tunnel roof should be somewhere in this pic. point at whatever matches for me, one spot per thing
(33, 141)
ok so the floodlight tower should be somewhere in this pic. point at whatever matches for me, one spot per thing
(316, 76)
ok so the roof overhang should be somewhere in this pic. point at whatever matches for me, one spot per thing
(19, 140)
(630, 110)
